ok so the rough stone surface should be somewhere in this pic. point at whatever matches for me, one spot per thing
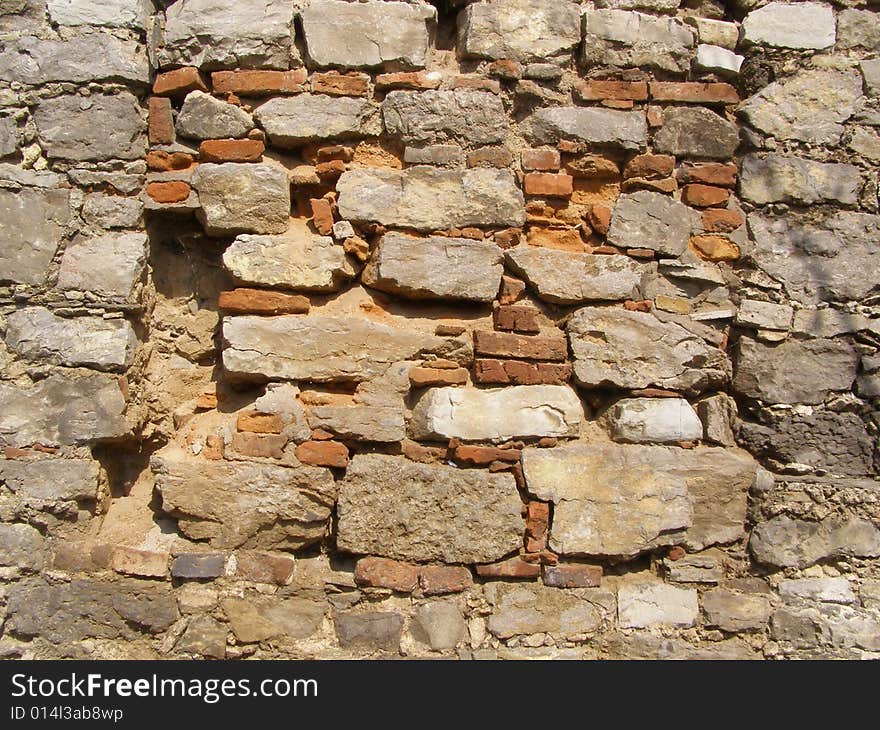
(321, 347)
(441, 625)
(858, 29)
(36, 333)
(112, 211)
(23, 547)
(62, 409)
(549, 125)
(409, 511)
(791, 25)
(641, 605)
(299, 260)
(364, 423)
(84, 57)
(430, 117)
(625, 39)
(696, 132)
(371, 631)
(810, 106)
(498, 413)
(792, 543)
(109, 266)
(290, 120)
(241, 504)
(819, 260)
(227, 34)
(794, 371)
(563, 277)
(826, 590)
(31, 225)
(521, 30)
(242, 198)
(112, 14)
(635, 350)
(429, 199)
(531, 609)
(660, 420)
(204, 117)
(98, 127)
(650, 220)
(50, 479)
(435, 268)
(787, 179)
(366, 35)
(732, 611)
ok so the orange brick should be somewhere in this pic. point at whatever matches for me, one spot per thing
(546, 159)
(527, 347)
(270, 446)
(510, 568)
(704, 196)
(161, 123)
(171, 191)
(710, 173)
(516, 318)
(550, 184)
(721, 220)
(337, 84)
(650, 166)
(619, 90)
(518, 372)
(438, 580)
(715, 248)
(322, 453)
(262, 301)
(409, 80)
(499, 157)
(322, 215)
(179, 82)
(162, 161)
(386, 573)
(423, 377)
(600, 218)
(701, 93)
(231, 150)
(256, 422)
(259, 83)
(511, 290)
(484, 455)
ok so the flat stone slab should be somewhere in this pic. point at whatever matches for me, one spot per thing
(109, 266)
(291, 120)
(621, 38)
(645, 219)
(32, 223)
(626, 130)
(655, 420)
(788, 179)
(51, 479)
(791, 25)
(431, 117)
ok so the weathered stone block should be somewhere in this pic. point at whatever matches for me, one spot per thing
(111, 14)
(227, 34)
(244, 504)
(435, 268)
(430, 117)
(531, 609)
(112, 211)
(787, 179)
(497, 414)
(198, 565)
(62, 409)
(361, 422)
(366, 35)
(733, 611)
(795, 371)
(35, 333)
(635, 350)
(289, 121)
(550, 125)
(299, 260)
(660, 420)
(108, 266)
(696, 132)
(21, 546)
(430, 199)
(650, 220)
(791, 25)
(369, 630)
(242, 198)
(204, 117)
(31, 226)
(792, 543)
(440, 625)
(51, 479)
(397, 508)
(98, 127)
(521, 30)
(825, 590)
(640, 605)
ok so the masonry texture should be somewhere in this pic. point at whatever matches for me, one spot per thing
(485, 330)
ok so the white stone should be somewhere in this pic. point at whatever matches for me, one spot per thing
(715, 32)
(764, 315)
(640, 605)
(110, 13)
(497, 414)
(717, 58)
(660, 420)
(791, 25)
(826, 590)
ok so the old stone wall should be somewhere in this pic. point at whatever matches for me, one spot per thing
(501, 329)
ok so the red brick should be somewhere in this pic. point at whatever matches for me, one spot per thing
(330, 170)
(259, 83)
(322, 453)
(484, 455)
(572, 575)
(161, 123)
(334, 152)
(511, 290)
(206, 401)
(667, 185)
(179, 82)
(231, 150)
(171, 191)
(545, 557)
(449, 330)
(546, 159)
(508, 238)
(721, 220)
(506, 69)
(618, 103)
(516, 318)
(641, 306)
(319, 434)
(162, 161)
(654, 116)
(146, 563)
(599, 218)
(517, 372)
(423, 377)
(549, 184)
(476, 83)
(537, 525)
(499, 157)
(676, 552)
(710, 173)
(620, 90)
(641, 253)
(260, 567)
(322, 215)
(262, 301)
(527, 347)
(409, 80)
(415, 451)
(337, 84)
(704, 196)
(701, 93)
(386, 573)
(650, 166)
(437, 580)
(269, 446)
(604, 250)
(510, 568)
(256, 422)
